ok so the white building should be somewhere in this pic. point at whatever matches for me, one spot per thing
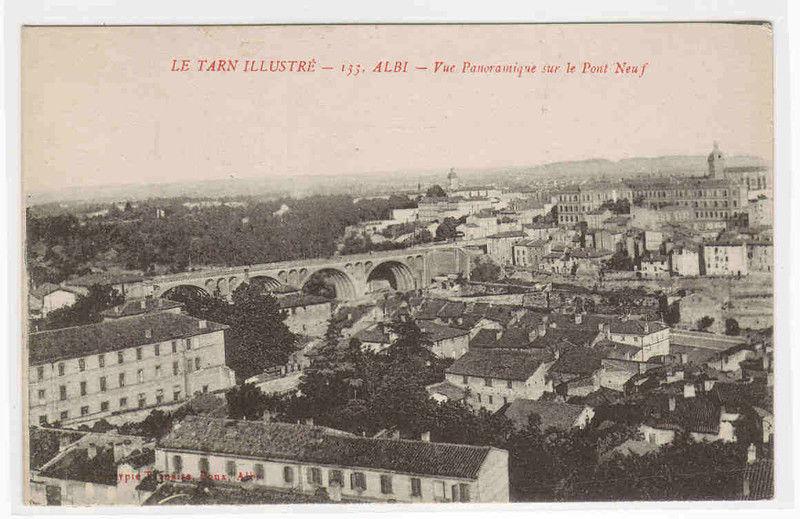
(120, 368)
(307, 459)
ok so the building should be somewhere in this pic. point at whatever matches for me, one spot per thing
(452, 180)
(306, 314)
(48, 297)
(701, 416)
(308, 459)
(685, 260)
(654, 266)
(140, 307)
(552, 414)
(724, 259)
(127, 284)
(496, 377)
(96, 469)
(529, 253)
(122, 368)
(499, 246)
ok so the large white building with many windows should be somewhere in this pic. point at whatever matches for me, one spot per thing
(118, 368)
(309, 459)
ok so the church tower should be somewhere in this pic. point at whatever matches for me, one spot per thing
(716, 162)
(452, 179)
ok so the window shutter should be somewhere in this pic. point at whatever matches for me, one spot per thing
(353, 480)
(310, 475)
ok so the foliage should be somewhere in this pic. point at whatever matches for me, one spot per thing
(732, 327)
(619, 261)
(448, 229)
(704, 323)
(164, 236)
(486, 271)
(435, 191)
(246, 402)
(620, 206)
(258, 337)
(85, 310)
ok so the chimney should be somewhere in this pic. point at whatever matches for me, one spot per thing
(646, 327)
(751, 454)
(689, 391)
(426, 436)
(671, 403)
(202, 324)
(148, 333)
(708, 384)
(117, 310)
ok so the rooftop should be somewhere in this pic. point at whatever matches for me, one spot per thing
(78, 341)
(554, 415)
(130, 308)
(311, 444)
(507, 364)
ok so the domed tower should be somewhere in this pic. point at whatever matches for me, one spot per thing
(716, 162)
(452, 179)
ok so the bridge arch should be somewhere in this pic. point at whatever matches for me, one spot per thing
(398, 274)
(268, 282)
(342, 283)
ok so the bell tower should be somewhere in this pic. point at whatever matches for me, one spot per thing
(716, 162)
(452, 179)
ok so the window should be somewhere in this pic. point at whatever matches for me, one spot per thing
(188, 365)
(203, 465)
(122, 380)
(138, 354)
(335, 477)
(197, 363)
(315, 476)
(120, 357)
(40, 373)
(83, 388)
(104, 406)
(177, 464)
(158, 371)
(230, 469)
(259, 470)
(416, 487)
(508, 384)
(288, 474)
(142, 400)
(159, 396)
(82, 364)
(102, 384)
(175, 368)
(123, 402)
(176, 395)
(64, 415)
(84, 410)
(205, 388)
(465, 380)
(140, 375)
(157, 350)
(174, 346)
(487, 382)
(491, 399)
(61, 369)
(464, 491)
(101, 360)
(43, 419)
(386, 484)
(41, 394)
(358, 481)
(478, 395)
(189, 343)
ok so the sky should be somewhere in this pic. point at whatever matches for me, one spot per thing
(101, 105)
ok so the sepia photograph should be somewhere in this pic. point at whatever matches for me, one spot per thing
(382, 263)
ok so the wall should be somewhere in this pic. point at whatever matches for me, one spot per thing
(499, 392)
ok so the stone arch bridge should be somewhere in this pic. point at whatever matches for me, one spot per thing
(352, 276)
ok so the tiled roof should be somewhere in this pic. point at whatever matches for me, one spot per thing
(48, 288)
(561, 339)
(105, 278)
(312, 444)
(452, 309)
(577, 361)
(760, 477)
(78, 341)
(223, 493)
(508, 234)
(700, 414)
(374, 334)
(504, 364)
(451, 391)
(142, 306)
(438, 332)
(554, 415)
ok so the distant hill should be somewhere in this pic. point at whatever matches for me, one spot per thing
(381, 182)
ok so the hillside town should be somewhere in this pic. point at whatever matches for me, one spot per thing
(564, 341)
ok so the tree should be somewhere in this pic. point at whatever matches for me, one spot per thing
(619, 261)
(435, 191)
(731, 327)
(86, 309)
(246, 402)
(620, 206)
(486, 271)
(704, 323)
(448, 229)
